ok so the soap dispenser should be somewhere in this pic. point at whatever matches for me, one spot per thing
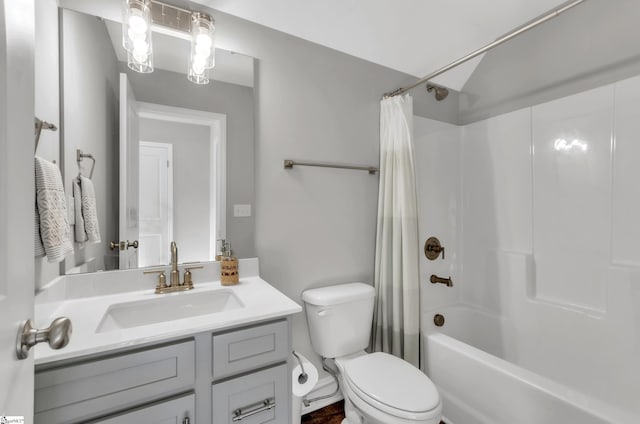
(228, 267)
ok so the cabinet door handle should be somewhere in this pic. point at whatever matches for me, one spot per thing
(247, 411)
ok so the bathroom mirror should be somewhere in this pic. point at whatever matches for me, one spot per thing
(188, 169)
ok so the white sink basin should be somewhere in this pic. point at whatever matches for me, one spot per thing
(167, 307)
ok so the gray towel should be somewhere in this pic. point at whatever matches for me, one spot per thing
(86, 215)
(52, 224)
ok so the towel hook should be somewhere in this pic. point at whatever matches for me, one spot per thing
(80, 155)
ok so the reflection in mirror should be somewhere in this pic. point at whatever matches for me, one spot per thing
(172, 157)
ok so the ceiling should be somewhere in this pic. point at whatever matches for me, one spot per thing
(412, 36)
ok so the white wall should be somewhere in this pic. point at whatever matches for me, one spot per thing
(314, 226)
(549, 238)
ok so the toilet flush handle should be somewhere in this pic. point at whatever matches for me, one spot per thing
(323, 312)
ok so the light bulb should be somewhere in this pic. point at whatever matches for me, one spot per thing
(133, 36)
(203, 51)
(140, 56)
(198, 67)
(204, 40)
(140, 47)
(137, 22)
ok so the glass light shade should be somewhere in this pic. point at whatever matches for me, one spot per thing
(140, 61)
(198, 75)
(202, 57)
(136, 27)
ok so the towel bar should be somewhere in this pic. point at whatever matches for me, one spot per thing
(39, 126)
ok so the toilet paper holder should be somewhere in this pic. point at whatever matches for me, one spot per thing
(303, 377)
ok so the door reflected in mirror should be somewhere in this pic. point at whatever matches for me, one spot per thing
(172, 157)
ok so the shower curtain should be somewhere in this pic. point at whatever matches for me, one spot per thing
(396, 318)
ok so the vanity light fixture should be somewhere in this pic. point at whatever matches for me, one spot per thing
(202, 56)
(198, 27)
(136, 35)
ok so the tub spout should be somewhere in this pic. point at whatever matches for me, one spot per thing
(435, 280)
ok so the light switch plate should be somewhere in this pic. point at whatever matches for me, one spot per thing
(241, 210)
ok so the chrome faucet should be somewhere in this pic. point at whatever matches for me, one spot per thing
(175, 274)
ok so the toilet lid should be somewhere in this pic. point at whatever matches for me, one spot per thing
(392, 382)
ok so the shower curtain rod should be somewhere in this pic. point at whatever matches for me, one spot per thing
(544, 18)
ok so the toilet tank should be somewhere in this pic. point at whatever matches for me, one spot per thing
(339, 318)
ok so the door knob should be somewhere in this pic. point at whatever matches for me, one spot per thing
(124, 245)
(57, 335)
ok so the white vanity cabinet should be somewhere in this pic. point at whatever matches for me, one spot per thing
(235, 376)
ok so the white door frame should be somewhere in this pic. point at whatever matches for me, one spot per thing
(217, 123)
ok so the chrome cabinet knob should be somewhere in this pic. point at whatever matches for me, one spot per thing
(57, 335)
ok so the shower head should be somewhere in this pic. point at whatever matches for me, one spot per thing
(441, 93)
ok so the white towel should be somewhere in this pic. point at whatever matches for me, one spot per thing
(53, 228)
(86, 215)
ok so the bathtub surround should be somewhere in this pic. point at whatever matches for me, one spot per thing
(396, 314)
(529, 194)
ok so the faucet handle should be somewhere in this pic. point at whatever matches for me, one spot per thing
(162, 279)
(188, 280)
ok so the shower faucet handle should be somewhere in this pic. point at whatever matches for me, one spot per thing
(433, 248)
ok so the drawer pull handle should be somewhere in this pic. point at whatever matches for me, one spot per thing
(242, 413)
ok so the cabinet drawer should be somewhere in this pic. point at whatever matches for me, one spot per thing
(243, 398)
(173, 411)
(78, 392)
(251, 348)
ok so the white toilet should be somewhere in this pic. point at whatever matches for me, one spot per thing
(378, 388)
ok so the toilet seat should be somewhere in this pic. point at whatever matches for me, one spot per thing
(393, 386)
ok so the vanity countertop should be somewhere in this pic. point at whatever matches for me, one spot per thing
(86, 299)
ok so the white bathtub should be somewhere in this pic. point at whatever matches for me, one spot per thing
(478, 387)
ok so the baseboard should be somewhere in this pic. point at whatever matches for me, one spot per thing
(324, 386)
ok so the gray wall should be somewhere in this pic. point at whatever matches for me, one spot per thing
(90, 91)
(191, 183)
(314, 226)
(235, 101)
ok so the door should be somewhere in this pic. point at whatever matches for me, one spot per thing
(156, 203)
(17, 196)
(129, 175)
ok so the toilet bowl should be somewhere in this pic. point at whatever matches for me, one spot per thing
(383, 389)
(378, 388)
